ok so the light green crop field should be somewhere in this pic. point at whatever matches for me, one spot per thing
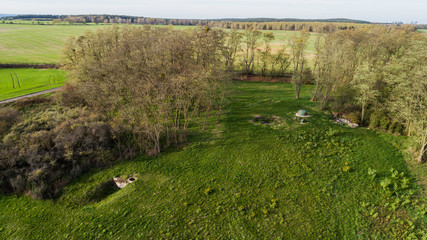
(30, 81)
(241, 180)
(282, 37)
(21, 43)
(422, 30)
(25, 43)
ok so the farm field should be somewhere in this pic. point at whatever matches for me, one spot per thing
(422, 30)
(30, 81)
(41, 44)
(36, 44)
(239, 180)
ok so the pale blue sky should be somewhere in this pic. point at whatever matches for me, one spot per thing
(370, 10)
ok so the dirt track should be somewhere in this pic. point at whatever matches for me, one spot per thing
(31, 95)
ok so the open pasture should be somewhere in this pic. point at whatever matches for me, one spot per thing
(30, 81)
(241, 179)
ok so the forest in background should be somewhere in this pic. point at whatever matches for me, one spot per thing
(311, 25)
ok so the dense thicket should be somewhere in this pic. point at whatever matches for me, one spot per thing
(156, 81)
(379, 76)
(42, 151)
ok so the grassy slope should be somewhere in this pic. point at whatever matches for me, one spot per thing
(239, 180)
(32, 80)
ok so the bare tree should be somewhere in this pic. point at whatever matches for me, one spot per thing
(232, 46)
(298, 44)
(250, 43)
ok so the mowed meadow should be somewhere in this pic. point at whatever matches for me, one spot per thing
(239, 179)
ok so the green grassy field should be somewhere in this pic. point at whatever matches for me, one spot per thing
(422, 30)
(240, 180)
(36, 43)
(30, 80)
(282, 37)
(20, 43)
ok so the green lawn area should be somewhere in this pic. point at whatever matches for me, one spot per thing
(240, 180)
(31, 81)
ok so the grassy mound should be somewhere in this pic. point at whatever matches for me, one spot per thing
(241, 180)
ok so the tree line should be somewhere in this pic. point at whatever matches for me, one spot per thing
(378, 77)
(311, 25)
(334, 20)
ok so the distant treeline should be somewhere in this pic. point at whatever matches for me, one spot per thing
(321, 27)
(311, 25)
(337, 20)
(421, 26)
(110, 19)
(289, 24)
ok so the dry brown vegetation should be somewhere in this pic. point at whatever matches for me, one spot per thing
(156, 81)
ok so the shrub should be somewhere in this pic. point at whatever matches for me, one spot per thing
(49, 148)
(8, 117)
(374, 120)
(344, 100)
(69, 97)
(396, 127)
(384, 122)
(29, 102)
(353, 117)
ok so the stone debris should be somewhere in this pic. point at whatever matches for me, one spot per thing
(346, 121)
(121, 183)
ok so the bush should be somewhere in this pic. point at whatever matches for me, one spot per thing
(354, 117)
(374, 121)
(308, 76)
(8, 117)
(380, 119)
(344, 100)
(384, 122)
(49, 148)
(396, 127)
(30, 102)
(69, 97)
